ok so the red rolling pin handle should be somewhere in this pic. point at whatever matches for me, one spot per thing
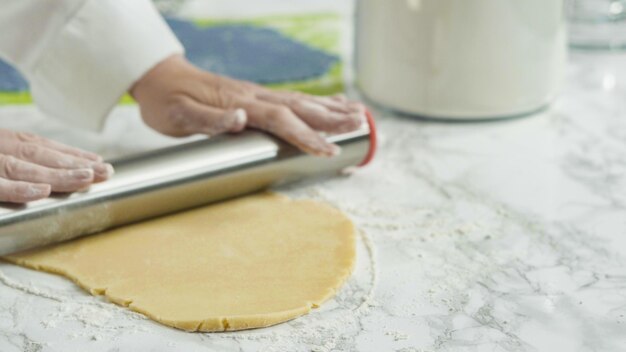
(373, 139)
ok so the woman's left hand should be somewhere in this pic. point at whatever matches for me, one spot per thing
(178, 99)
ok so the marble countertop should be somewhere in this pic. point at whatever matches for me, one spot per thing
(496, 236)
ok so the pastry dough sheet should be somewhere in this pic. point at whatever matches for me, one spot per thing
(246, 263)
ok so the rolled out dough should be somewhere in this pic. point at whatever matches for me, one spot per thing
(246, 263)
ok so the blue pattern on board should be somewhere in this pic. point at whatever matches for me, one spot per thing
(10, 79)
(257, 54)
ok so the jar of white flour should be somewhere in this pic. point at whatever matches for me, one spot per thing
(460, 59)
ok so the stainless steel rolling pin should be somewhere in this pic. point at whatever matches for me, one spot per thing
(173, 179)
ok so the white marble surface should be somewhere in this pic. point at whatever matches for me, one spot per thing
(499, 236)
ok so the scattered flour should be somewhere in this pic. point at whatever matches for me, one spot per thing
(29, 289)
(397, 336)
(368, 299)
(91, 312)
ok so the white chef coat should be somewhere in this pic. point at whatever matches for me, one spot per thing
(81, 56)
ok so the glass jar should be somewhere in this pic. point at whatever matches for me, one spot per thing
(460, 59)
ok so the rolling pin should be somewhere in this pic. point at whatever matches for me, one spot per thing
(176, 178)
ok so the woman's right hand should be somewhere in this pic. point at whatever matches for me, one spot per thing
(178, 99)
(31, 167)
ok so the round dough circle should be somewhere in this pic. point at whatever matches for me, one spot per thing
(246, 263)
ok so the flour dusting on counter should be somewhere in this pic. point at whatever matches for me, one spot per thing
(28, 289)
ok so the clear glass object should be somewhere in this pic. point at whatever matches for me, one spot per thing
(460, 59)
(597, 24)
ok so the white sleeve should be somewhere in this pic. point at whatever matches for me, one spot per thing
(81, 56)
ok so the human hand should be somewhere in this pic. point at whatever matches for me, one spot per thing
(31, 167)
(178, 99)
